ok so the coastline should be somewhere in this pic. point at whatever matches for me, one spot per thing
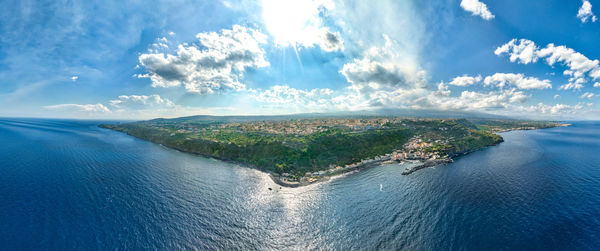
(328, 175)
(408, 170)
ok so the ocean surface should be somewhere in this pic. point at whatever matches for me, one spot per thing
(69, 185)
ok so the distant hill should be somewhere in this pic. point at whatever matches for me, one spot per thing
(357, 114)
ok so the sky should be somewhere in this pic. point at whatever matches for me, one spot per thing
(149, 59)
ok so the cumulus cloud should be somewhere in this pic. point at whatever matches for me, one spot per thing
(585, 12)
(492, 102)
(553, 110)
(499, 99)
(89, 108)
(368, 73)
(577, 63)
(518, 80)
(140, 101)
(292, 99)
(556, 96)
(477, 8)
(597, 84)
(380, 69)
(216, 64)
(285, 99)
(587, 95)
(571, 86)
(149, 106)
(465, 80)
(579, 67)
(286, 94)
(522, 51)
(74, 78)
(442, 90)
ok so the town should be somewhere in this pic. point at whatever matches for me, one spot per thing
(414, 151)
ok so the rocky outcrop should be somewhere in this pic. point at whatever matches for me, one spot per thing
(427, 163)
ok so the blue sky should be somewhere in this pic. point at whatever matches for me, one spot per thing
(146, 59)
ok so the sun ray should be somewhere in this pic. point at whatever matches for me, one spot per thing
(298, 57)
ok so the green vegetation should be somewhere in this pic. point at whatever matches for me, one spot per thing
(499, 125)
(297, 146)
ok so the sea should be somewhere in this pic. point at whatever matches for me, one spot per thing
(69, 185)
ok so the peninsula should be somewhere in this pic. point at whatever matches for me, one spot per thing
(297, 151)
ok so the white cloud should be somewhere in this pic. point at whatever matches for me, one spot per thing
(465, 80)
(217, 65)
(556, 96)
(161, 43)
(440, 99)
(480, 101)
(523, 52)
(597, 84)
(553, 110)
(74, 78)
(585, 12)
(579, 67)
(477, 8)
(285, 94)
(588, 95)
(502, 101)
(89, 108)
(571, 86)
(502, 80)
(443, 90)
(140, 101)
(577, 63)
(518, 80)
(380, 69)
(149, 106)
(369, 73)
(283, 97)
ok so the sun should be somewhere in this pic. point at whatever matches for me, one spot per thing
(292, 22)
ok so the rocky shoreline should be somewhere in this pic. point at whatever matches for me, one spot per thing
(314, 180)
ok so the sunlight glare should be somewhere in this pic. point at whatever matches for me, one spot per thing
(292, 22)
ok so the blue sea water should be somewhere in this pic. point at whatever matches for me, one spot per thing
(69, 185)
